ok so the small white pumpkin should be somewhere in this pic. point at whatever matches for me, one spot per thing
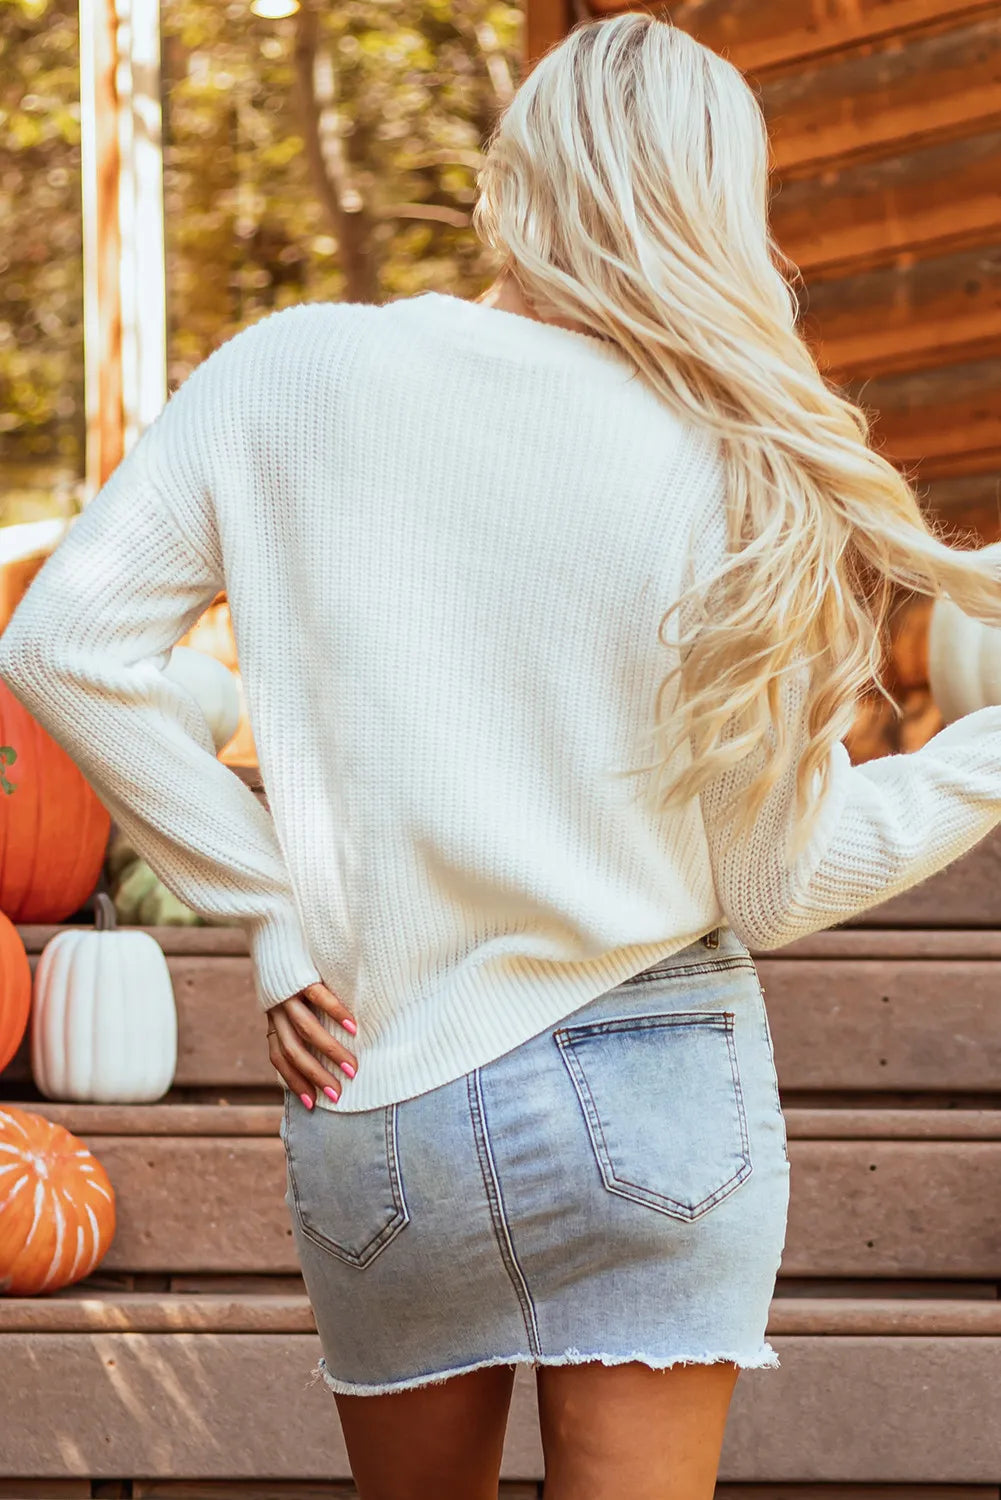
(103, 1017)
(214, 688)
(964, 661)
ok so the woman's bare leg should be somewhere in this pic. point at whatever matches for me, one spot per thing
(615, 1431)
(441, 1440)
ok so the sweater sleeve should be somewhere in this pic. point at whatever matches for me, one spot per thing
(883, 827)
(85, 650)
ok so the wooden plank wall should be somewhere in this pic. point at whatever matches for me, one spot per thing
(885, 122)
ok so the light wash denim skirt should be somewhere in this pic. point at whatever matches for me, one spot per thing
(614, 1189)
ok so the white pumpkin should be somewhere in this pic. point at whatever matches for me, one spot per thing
(103, 1016)
(214, 688)
(964, 661)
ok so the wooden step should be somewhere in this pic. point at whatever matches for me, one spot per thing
(788, 1492)
(851, 1009)
(885, 1023)
(153, 1120)
(873, 1192)
(336, 1489)
(164, 1387)
(510, 1489)
(76, 1310)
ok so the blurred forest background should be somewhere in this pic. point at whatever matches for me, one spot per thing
(328, 155)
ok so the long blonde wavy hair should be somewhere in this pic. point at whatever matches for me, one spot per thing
(626, 185)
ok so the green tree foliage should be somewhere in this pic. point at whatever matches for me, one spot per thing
(41, 297)
(330, 155)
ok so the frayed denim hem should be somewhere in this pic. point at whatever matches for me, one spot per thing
(764, 1359)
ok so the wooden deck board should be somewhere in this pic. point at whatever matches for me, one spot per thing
(78, 1311)
(236, 1406)
(866, 1207)
(852, 1008)
(150, 1122)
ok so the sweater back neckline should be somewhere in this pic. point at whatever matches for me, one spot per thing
(517, 336)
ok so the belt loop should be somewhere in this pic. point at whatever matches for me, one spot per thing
(711, 939)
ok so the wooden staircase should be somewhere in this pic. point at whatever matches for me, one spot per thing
(182, 1367)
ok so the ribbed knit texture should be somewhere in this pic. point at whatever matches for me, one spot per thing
(448, 534)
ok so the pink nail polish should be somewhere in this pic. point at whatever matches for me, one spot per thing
(346, 1067)
(331, 1093)
(306, 1100)
(349, 1025)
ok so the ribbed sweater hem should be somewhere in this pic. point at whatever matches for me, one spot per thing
(485, 1012)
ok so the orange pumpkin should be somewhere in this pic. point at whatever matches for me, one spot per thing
(57, 1206)
(15, 990)
(53, 828)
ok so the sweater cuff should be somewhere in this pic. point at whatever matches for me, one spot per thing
(281, 960)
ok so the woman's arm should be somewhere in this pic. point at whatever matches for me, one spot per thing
(84, 652)
(883, 827)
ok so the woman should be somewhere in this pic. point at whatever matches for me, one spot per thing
(551, 610)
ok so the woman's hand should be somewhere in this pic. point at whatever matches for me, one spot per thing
(293, 1028)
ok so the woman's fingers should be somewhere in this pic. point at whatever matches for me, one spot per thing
(327, 1001)
(298, 1034)
(305, 1067)
(281, 1060)
(315, 1034)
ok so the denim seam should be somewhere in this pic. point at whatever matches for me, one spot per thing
(363, 1258)
(668, 970)
(502, 1232)
(766, 1031)
(738, 1090)
(660, 1202)
(714, 1018)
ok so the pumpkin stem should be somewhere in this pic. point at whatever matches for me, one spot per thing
(7, 757)
(105, 915)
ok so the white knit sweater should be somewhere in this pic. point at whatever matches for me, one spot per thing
(448, 534)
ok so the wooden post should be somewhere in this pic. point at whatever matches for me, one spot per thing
(102, 321)
(546, 23)
(140, 216)
(124, 317)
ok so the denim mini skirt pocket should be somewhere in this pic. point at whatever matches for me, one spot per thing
(663, 1106)
(345, 1189)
